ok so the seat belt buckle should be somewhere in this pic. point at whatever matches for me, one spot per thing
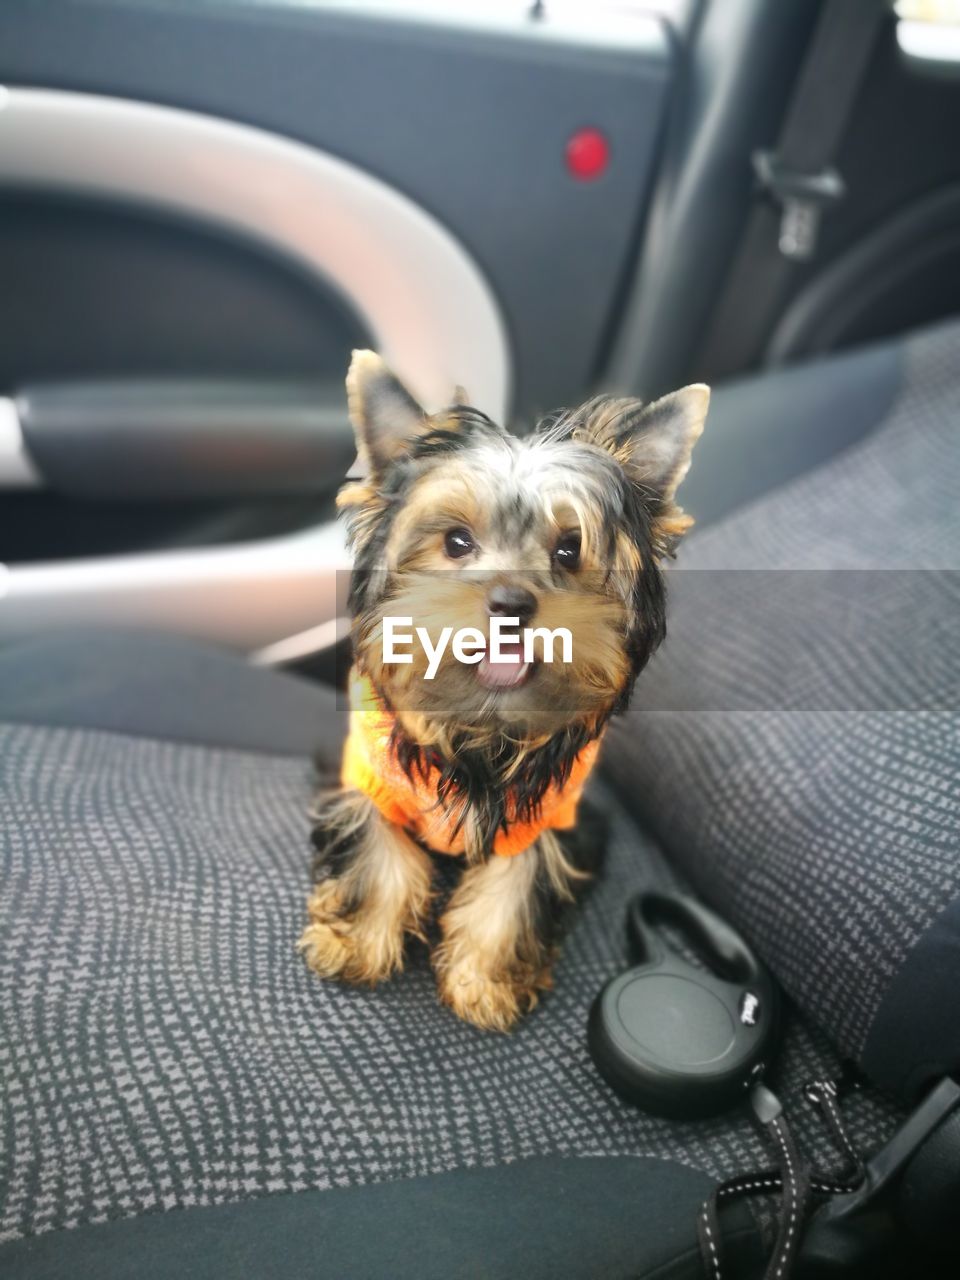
(801, 197)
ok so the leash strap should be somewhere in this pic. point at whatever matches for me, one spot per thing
(793, 1178)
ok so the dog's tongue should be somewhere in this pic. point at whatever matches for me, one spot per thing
(509, 672)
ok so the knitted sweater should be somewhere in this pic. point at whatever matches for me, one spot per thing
(370, 766)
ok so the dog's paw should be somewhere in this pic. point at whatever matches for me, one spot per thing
(493, 1002)
(358, 946)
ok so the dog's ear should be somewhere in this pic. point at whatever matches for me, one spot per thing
(384, 414)
(652, 442)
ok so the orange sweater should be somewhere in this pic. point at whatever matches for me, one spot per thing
(370, 766)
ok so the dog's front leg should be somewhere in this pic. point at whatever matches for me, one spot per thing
(374, 888)
(499, 934)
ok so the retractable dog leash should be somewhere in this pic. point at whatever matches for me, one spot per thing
(686, 1031)
(690, 1031)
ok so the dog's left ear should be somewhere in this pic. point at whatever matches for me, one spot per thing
(652, 442)
(384, 414)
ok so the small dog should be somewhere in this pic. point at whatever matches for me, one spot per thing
(455, 522)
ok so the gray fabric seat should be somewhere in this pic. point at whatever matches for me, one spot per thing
(166, 1056)
(801, 729)
(168, 1049)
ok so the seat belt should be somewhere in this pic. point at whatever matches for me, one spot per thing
(794, 183)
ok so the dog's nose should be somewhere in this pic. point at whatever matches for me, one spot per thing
(512, 602)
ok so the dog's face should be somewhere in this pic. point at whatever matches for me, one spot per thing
(455, 522)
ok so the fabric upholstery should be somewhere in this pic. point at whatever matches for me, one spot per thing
(166, 1047)
(800, 730)
(162, 1046)
(162, 686)
(767, 429)
(539, 1218)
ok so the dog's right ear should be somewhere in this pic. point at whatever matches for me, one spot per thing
(384, 414)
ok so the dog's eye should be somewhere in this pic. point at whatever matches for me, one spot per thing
(567, 551)
(458, 543)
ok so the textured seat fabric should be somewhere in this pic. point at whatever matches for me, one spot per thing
(800, 730)
(765, 430)
(162, 686)
(538, 1218)
(168, 1062)
(165, 1047)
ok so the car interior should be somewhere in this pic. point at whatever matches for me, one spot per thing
(204, 208)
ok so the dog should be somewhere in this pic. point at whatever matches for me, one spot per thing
(455, 523)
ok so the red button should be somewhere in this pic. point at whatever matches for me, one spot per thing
(588, 154)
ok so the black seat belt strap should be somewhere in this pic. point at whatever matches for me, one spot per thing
(794, 183)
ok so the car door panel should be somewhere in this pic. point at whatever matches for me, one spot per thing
(470, 120)
(231, 191)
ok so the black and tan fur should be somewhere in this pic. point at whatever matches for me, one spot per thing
(605, 474)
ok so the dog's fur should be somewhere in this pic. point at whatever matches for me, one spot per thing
(607, 474)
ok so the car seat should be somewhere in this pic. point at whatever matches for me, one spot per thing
(182, 1097)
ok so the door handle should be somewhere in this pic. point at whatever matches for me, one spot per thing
(171, 439)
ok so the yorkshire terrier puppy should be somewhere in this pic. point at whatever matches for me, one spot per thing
(454, 523)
